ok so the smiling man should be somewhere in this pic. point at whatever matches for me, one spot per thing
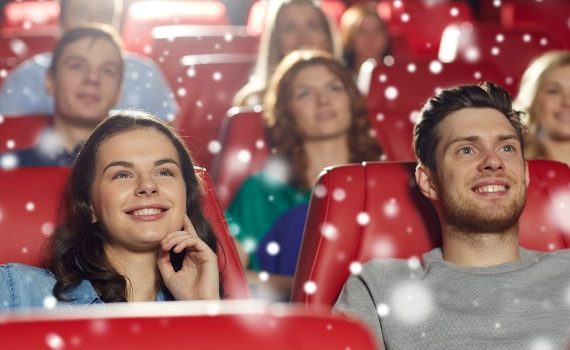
(85, 80)
(480, 290)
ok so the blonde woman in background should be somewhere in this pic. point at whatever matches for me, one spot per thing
(289, 25)
(544, 95)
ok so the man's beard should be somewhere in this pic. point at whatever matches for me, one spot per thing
(467, 217)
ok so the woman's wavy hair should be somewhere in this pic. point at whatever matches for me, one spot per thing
(350, 22)
(282, 130)
(269, 55)
(77, 245)
(531, 82)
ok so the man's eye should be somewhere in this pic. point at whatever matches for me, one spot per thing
(465, 150)
(508, 148)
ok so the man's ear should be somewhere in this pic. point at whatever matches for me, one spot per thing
(49, 83)
(426, 182)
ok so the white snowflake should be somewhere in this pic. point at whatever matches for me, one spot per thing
(411, 302)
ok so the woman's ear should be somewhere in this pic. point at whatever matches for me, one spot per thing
(93, 216)
(425, 178)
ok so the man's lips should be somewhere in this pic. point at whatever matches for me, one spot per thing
(494, 186)
(89, 97)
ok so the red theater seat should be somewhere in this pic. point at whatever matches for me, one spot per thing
(29, 201)
(402, 223)
(510, 50)
(143, 16)
(21, 132)
(205, 90)
(171, 43)
(30, 17)
(394, 132)
(422, 22)
(551, 15)
(182, 325)
(244, 151)
(406, 85)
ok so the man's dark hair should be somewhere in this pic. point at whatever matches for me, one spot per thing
(93, 31)
(484, 95)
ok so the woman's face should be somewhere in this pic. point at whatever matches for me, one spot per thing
(552, 104)
(370, 39)
(320, 103)
(299, 27)
(138, 194)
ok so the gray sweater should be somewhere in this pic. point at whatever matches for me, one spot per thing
(437, 305)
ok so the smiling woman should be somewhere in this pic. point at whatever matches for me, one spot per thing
(131, 228)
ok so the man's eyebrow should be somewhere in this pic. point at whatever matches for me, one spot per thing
(507, 137)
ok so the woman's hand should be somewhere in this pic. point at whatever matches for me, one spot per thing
(198, 278)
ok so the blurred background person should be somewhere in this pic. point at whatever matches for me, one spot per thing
(144, 86)
(289, 25)
(544, 96)
(84, 79)
(364, 35)
(315, 118)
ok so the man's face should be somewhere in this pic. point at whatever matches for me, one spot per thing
(86, 82)
(480, 181)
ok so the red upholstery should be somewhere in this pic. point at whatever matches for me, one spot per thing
(510, 50)
(394, 132)
(183, 325)
(551, 15)
(244, 151)
(18, 47)
(143, 16)
(206, 87)
(422, 22)
(21, 132)
(30, 16)
(402, 222)
(171, 43)
(29, 201)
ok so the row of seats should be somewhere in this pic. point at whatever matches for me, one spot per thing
(209, 325)
(356, 215)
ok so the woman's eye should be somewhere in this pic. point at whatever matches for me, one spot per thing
(121, 175)
(337, 87)
(302, 94)
(165, 172)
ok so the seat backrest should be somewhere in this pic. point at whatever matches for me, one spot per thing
(205, 90)
(422, 22)
(199, 324)
(142, 16)
(243, 153)
(508, 49)
(375, 210)
(29, 204)
(30, 16)
(21, 132)
(171, 43)
(551, 16)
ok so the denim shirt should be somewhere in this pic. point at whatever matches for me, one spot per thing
(25, 286)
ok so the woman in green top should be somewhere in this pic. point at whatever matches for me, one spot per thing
(315, 118)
